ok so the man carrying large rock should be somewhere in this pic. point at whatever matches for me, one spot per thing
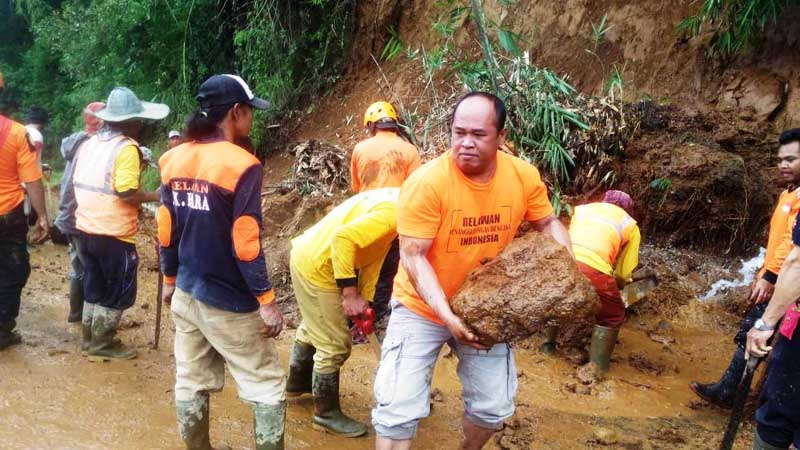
(453, 213)
(106, 184)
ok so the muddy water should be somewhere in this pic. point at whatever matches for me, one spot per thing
(51, 398)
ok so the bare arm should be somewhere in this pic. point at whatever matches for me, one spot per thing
(552, 226)
(413, 257)
(136, 198)
(35, 190)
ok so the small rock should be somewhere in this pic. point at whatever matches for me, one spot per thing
(56, 352)
(663, 326)
(604, 436)
(437, 396)
(582, 389)
(587, 374)
(145, 306)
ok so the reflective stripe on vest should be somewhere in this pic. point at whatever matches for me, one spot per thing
(602, 228)
(100, 210)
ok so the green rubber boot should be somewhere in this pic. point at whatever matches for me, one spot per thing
(603, 341)
(548, 347)
(103, 346)
(193, 423)
(75, 301)
(269, 424)
(329, 416)
(759, 444)
(8, 335)
(301, 367)
(86, 327)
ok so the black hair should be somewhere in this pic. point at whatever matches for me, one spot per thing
(499, 107)
(203, 123)
(789, 136)
(38, 115)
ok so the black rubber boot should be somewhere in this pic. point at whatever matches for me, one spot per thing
(301, 367)
(722, 392)
(329, 416)
(604, 339)
(75, 301)
(193, 423)
(759, 444)
(8, 335)
(103, 346)
(269, 425)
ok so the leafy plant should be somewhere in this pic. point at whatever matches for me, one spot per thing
(615, 83)
(394, 46)
(599, 32)
(660, 184)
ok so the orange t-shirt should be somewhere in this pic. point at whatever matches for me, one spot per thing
(384, 160)
(467, 221)
(780, 231)
(18, 164)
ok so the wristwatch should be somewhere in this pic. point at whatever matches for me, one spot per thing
(760, 325)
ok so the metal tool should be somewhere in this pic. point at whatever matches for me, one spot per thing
(365, 323)
(642, 283)
(742, 391)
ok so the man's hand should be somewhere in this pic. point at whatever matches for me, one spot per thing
(166, 293)
(462, 334)
(273, 320)
(42, 230)
(757, 343)
(353, 303)
(762, 291)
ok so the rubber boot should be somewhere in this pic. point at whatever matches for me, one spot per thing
(269, 424)
(759, 444)
(193, 423)
(301, 367)
(75, 301)
(103, 346)
(86, 327)
(548, 347)
(8, 335)
(329, 416)
(722, 392)
(603, 341)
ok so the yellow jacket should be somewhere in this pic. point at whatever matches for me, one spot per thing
(347, 247)
(606, 238)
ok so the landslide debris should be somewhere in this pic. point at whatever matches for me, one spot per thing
(320, 168)
(533, 282)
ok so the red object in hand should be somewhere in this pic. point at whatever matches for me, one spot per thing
(365, 321)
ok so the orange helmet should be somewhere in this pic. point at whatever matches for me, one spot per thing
(379, 110)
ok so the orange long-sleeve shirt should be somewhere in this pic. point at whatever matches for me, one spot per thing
(780, 234)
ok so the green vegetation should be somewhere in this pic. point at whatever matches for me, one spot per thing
(735, 24)
(63, 54)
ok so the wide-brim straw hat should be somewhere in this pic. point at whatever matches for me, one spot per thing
(123, 104)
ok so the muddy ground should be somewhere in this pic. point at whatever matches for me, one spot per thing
(55, 399)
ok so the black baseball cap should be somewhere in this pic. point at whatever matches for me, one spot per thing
(228, 89)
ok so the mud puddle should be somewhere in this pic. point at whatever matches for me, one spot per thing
(52, 398)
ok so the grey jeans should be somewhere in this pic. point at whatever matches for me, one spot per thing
(403, 381)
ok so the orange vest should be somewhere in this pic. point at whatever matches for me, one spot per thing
(100, 210)
(602, 228)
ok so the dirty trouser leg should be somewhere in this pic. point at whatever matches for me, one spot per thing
(749, 320)
(199, 368)
(778, 417)
(14, 263)
(324, 324)
(110, 271)
(489, 381)
(612, 308)
(403, 382)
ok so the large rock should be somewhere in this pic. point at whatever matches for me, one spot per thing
(532, 283)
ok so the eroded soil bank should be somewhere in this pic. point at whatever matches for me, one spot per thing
(52, 398)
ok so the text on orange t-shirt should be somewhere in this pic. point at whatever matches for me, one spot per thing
(467, 221)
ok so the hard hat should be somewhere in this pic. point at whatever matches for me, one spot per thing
(379, 110)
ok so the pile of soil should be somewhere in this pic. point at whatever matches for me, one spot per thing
(532, 283)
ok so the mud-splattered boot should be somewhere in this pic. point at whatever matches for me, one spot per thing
(329, 416)
(759, 444)
(86, 327)
(604, 339)
(269, 424)
(103, 346)
(548, 347)
(8, 335)
(301, 366)
(75, 301)
(722, 392)
(193, 423)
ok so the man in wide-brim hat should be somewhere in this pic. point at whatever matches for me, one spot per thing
(108, 194)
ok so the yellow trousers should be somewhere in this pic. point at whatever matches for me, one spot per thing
(323, 324)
